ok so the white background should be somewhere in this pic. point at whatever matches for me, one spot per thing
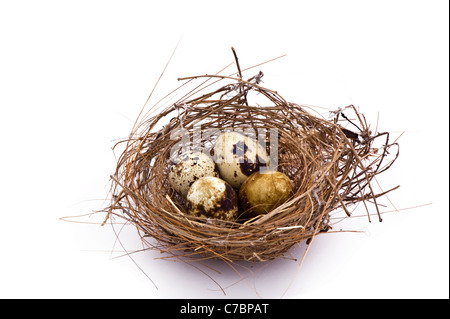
(75, 74)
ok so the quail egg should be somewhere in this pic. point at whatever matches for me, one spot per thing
(189, 168)
(238, 156)
(212, 197)
(263, 192)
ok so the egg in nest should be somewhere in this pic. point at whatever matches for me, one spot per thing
(212, 197)
(238, 156)
(263, 192)
(188, 168)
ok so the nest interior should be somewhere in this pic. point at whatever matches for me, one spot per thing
(331, 168)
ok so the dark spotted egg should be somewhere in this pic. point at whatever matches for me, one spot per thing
(212, 197)
(238, 156)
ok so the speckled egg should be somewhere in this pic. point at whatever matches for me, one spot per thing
(189, 168)
(212, 197)
(263, 192)
(238, 156)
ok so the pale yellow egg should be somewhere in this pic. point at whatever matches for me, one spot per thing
(263, 192)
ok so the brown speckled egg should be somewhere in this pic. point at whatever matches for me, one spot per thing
(263, 192)
(212, 197)
(188, 169)
(238, 156)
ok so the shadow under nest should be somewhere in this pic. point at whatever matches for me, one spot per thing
(330, 166)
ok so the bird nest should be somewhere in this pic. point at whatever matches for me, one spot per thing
(331, 163)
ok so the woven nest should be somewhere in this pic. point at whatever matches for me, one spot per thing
(331, 167)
